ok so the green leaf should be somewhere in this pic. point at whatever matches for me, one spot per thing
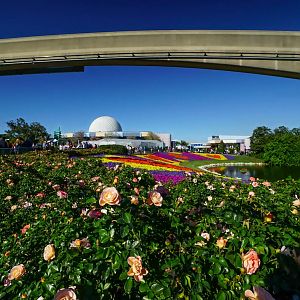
(106, 286)
(221, 296)
(143, 287)
(127, 218)
(125, 231)
(104, 236)
(128, 285)
(216, 268)
(91, 200)
(157, 288)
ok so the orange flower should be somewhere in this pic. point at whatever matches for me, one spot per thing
(49, 252)
(250, 261)
(134, 200)
(65, 294)
(136, 268)
(259, 294)
(16, 272)
(116, 180)
(221, 242)
(109, 196)
(155, 198)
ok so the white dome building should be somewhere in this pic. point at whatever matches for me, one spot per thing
(105, 124)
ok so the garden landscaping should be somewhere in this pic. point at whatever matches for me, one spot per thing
(122, 227)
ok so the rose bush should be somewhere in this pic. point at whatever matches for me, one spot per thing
(197, 240)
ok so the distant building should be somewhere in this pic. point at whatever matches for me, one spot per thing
(240, 143)
(198, 146)
(107, 130)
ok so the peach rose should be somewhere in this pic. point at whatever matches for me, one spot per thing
(80, 243)
(155, 198)
(49, 252)
(109, 196)
(266, 183)
(250, 261)
(136, 268)
(296, 202)
(252, 179)
(116, 180)
(251, 194)
(221, 242)
(16, 272)
(259, 294)
(65, 294)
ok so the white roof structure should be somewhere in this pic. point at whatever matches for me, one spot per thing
(105, 124)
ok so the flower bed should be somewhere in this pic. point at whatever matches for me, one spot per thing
(76, 228)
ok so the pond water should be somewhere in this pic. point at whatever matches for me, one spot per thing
(258, 171)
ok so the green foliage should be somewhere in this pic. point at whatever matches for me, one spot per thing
(20, 129)
(181, 263)
(283, 150)
(280, 147)
(260, 137)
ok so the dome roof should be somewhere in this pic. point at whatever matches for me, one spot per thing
(105, 123)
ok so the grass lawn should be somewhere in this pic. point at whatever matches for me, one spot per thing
(238, 159)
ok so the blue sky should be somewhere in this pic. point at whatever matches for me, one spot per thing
(191, 104)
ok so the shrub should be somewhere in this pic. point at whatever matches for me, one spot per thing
(190, 247)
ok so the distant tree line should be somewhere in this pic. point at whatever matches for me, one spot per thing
(280, 147)
(22, 133)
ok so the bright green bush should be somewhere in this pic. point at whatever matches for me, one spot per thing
(170, 238)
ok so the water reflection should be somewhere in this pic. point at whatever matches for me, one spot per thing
(258, 171)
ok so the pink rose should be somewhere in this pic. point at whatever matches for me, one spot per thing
(255, 184)
(40, 195)
(109, 196)
(25, 228)
(65, 294)
(250, 262)
(62, 194)
(266, 183)
(252, 179)
(56, 187)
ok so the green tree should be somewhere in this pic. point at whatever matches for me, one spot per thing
(283, 150)
(296, 131)
(20, 129)
(260, 137)
(221, 147)
(281, 130)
